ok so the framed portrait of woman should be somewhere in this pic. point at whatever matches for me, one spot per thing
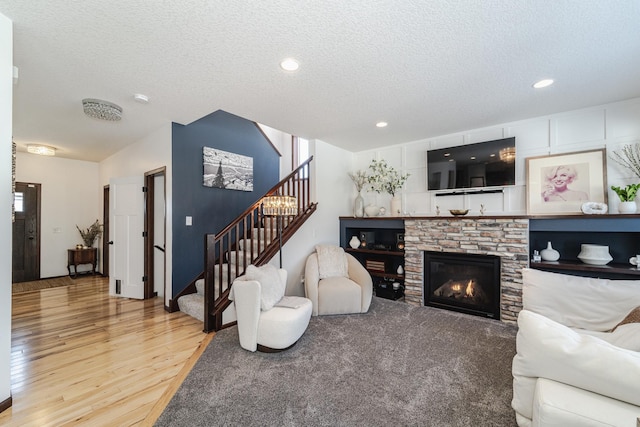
(560, 184)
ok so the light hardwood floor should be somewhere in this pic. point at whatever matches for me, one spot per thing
(80, 357)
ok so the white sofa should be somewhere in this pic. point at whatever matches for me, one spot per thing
(570, 368)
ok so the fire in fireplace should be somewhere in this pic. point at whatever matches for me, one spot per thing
(468, 283)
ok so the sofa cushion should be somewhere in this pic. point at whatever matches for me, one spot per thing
(332, 261)
(272, 287)
(579, 302)
(557, 404)
(547, 349)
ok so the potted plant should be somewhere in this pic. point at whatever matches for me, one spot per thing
(384, 178)
(628, 157)
(90, 234)
(627, 197)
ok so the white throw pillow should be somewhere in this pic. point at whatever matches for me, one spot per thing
(270, 283)
(332, 262)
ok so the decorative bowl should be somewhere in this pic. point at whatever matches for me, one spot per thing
(459, 212)
(372, 210)
(594, 254)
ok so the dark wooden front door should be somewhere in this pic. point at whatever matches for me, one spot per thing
(26, 233)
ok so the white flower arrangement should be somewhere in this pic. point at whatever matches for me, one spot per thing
(384, 178)
(359, 178)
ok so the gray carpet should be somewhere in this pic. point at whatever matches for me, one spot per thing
(396, 365)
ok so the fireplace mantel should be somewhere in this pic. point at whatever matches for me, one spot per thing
(512, 238)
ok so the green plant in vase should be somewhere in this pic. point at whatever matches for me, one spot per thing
(91, 234)
(629, 157)
(384, 178)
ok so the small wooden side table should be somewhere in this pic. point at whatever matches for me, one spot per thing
(76, 257)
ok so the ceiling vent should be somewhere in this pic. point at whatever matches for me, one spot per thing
(102, 110)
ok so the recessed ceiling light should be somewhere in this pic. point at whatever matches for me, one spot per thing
(447, 154)
(382, 124)
(289, 64)
(543, 83)
(142, 99)
(472, 157)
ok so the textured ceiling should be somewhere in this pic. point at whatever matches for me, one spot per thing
(428, 68)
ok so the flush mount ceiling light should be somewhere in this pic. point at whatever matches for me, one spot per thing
(289, 64)
(543, 83)
(382, 124)
(43, 150)
(102, 110)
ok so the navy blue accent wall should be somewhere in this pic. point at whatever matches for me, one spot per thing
(212, 209)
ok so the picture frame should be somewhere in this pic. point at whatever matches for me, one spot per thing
(559, 184)
(225, 170)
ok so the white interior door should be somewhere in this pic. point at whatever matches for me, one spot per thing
(126, 212)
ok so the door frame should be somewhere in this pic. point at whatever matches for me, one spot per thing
(149, 228)
(38, 259)
(105, 231)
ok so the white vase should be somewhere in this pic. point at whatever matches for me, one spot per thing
(358, 206)
(594, 254)
(627, 207)
(400, 270)
(549, 254)
(354, 242)
(396, 206)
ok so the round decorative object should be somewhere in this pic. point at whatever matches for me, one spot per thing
(549, 254)
(354, 242)
(627, 207)
(382, 211)
(594, 208)
(400, 270)
(372, 210)
(459, 212)
(594, 254)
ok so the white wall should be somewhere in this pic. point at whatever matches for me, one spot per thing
(149, 153)
(607, 126)
(333, 192)
(70, 196)
(6, 94)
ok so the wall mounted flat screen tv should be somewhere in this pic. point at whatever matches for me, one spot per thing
(483, 164)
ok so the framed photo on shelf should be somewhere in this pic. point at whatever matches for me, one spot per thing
(560, 184)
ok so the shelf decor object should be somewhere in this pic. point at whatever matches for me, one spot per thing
(354, 242)
(560, 184)
(359, 179)
(459, 212)
(594, 254)
(549, 254)
(628, 157)
(386, 179)
(279, 206)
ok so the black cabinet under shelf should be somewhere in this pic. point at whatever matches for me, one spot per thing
(380, 257)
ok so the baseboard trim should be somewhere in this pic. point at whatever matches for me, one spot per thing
(6, 404)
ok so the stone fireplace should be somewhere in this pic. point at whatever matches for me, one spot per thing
(505, 238)
(468, 283)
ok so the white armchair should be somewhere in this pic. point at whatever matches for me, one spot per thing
(336, 288)
(267, 320)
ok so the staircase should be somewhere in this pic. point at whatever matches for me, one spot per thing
(252, 238)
